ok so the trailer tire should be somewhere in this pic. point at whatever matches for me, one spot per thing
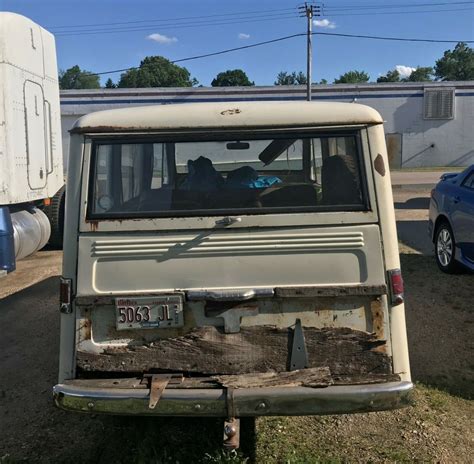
(55, 213)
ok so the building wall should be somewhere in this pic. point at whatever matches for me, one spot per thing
(412, 140)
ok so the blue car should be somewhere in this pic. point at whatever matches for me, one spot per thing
(451, 221)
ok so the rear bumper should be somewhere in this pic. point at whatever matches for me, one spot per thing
(246, 402)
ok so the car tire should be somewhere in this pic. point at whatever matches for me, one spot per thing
(445, 246)
(55, 213)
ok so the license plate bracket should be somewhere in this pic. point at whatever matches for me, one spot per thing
(149, 312)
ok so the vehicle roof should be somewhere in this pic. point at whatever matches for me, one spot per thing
(224, 115)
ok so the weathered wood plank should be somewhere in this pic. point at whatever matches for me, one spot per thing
(314, 377)
(209, 351)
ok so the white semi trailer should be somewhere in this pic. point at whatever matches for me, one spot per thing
(31, 162)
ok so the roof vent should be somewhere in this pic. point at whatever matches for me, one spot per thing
(438, 104)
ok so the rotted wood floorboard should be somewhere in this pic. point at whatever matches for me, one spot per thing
(209, 351)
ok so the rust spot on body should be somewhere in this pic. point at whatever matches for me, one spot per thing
(85, 329)
(378, 327)
(379, 165)
(94, 225)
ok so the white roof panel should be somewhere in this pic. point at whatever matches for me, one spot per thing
(224, 115)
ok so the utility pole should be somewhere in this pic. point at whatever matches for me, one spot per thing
(309, 10)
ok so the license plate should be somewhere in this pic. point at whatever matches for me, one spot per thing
(158, 312)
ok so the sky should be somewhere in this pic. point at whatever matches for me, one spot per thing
(179, 29)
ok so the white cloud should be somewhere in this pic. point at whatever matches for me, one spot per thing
(243, 36)
(162, 39)
(324, 23)
(403, 70)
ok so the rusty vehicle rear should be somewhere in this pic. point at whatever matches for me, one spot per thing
(231, 260)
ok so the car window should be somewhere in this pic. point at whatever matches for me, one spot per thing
(469, 181)
(152, 178)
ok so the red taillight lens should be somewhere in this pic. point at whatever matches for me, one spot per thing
(65, 295)
(397, 291)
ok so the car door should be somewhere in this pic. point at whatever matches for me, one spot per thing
(463, 215)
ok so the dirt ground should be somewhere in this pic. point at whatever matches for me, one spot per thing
(438, 428)
(31, 270)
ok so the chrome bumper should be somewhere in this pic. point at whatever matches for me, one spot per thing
(246, 402)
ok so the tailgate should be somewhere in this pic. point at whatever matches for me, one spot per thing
(229, 259)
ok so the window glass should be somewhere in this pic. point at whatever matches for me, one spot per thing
(218, 177)
(469, 182)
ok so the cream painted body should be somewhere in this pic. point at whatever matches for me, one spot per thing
(109, 258)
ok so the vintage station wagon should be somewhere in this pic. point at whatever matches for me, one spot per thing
(231, 259)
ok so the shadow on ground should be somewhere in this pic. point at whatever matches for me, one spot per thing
(414, 203)
(415, 235)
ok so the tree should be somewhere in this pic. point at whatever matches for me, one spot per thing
(391, 76)
(353, 77)
(457, 64)
(231, 78)
(420, 74)
(156, 71)
(284, 78)
(75, 78)
(323, 81)
(110, 84)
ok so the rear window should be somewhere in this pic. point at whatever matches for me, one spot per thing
(251, 176)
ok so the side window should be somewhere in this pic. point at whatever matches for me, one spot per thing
(126, 173)
(469, 182)
(340, 171)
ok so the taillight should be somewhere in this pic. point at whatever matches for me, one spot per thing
(65, 295)
(397, 294)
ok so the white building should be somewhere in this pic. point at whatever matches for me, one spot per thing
(427, 124)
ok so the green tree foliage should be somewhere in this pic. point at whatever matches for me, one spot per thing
(353, 77)
(323, 81)
(109, 84)
(231, 78)
(284, 78)
(75, 78)
(391, 76)
(420, 74)
(457, 64)
(156, 71)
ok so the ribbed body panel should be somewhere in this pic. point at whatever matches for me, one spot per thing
(230, 259)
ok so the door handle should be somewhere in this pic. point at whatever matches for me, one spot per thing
(227, 221)
(456, 199)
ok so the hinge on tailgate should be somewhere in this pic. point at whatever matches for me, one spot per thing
(299, 354)
(157, 384)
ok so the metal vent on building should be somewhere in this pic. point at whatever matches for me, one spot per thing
(438, 104)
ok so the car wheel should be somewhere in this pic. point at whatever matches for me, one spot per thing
(445, 249)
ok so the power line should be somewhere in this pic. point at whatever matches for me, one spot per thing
(332, 15)
(152, 28)
(245, 17)
(221, 52)
(399, 5)
(243, 20)
(185, 18)
(279, 39)
(399, 39)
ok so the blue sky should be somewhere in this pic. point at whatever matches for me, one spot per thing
(247, 22)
